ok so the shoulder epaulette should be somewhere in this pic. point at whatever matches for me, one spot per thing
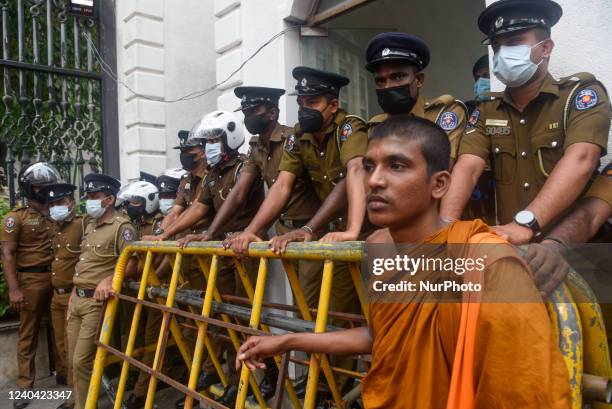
(254, 139)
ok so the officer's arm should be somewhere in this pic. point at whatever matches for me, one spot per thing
(583, 222)
(275, 201)
(333, 206)
(566, 182)
(171, 217)
(233, 201)
(9, 250)
(464, 177)
(356, 196)
(187, 219)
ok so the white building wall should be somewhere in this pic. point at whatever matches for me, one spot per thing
(163, 52)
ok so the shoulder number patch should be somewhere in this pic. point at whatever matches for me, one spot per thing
(448, 121)
(347, 130)
(9, 223)
(290, 143)
(586, 99)
(473, 118)
(128, 235)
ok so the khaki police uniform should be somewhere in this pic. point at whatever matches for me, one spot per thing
(100, 248)
(526, 146)
(449, 113)
(265, 157)
(216, 186)
(33, 232)
(66, 253)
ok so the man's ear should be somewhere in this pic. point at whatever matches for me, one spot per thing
(440, 182)
(547, 47)
(334, 104)
(419, 78)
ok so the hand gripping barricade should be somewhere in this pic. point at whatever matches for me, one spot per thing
(579, 326)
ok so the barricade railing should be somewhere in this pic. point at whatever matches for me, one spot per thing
(576, 340)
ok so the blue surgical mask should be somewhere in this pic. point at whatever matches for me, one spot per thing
(481, 87)
(59, 213)
(512, 65)
(94, 208)
(213, 153)
(165, 205)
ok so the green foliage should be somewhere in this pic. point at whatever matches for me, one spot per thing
(4, 299)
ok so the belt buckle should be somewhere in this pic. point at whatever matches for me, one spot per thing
(80, 293)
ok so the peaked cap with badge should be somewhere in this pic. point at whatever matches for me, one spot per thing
(251, 97)
(97, 182)
(312, 81)
(396, 46)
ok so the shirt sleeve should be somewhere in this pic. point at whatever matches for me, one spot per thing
(11, 227)
(205, 196)
(353, 140)
(456, 111)
(127, 235)
(589, 117)
(291, 160)
(602, 186)
(474, 140)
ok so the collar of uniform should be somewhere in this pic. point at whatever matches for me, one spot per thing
(275, 136)
(199, 175)
(229, 163)
(419, 107)
(111, 219)
(549, 86)
(333, 125)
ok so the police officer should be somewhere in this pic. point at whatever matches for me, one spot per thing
(326, 147)
(227, 176)
(106, 235)
(546, 135)
(66, 245)
(397, 61)
(27, 254)
(167, 184)
(482, 83)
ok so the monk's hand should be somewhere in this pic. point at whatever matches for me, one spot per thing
(189, 238)
(339, 236)
(240, 242)
(514, 233)
(548, 265)
(278, 244)
(153, 238)
(16, 299)
(256, 349)
(104, 289)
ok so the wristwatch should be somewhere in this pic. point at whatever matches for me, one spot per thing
(527, 218)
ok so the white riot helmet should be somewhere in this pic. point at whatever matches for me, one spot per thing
(221, 124)
(145, 191)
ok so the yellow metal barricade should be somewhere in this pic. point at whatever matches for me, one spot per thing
(565, 315)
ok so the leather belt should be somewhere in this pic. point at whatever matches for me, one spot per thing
(84, 293)
(61, 291)
(35, 269)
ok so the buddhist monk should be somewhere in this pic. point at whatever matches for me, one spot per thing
(439, 355)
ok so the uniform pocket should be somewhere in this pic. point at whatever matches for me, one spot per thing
(548, 150)
(335, 174)
(504, 159)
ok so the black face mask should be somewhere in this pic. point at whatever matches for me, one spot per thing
(256, 124)
(310, 120)
(396, 100)
(135, 212)
(188, 160)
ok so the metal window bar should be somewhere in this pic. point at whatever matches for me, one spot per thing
(575, 338)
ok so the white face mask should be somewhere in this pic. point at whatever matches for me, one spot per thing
(512, 65)
(165, 205)
(94, 208)
(213, 153)
(59, 213)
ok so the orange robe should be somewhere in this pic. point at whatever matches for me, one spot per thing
(517, 363)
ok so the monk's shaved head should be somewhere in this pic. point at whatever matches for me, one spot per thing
(434, 143)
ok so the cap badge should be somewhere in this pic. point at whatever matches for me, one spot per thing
(51, 193)
(244, 98)
(162, 184)
(385, 52)
(499, 22)
(304, 82)
(90, 185)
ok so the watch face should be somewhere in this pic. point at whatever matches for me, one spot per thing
(524, 217)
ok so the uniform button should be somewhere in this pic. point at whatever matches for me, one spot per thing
(219, 176)
(52, 274)
(76, 274)
(526, 186)
(56, 259)
(322, 154)
(496, 149)
(341, 174)
(94, 230)
(82, 258)
(269, 157)
(522, 122)
(554, 144)
(98, 246)
(87, 244)
(524, 154)
(273, 180)
(59, 233)
(58, 246)
(325, 177)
